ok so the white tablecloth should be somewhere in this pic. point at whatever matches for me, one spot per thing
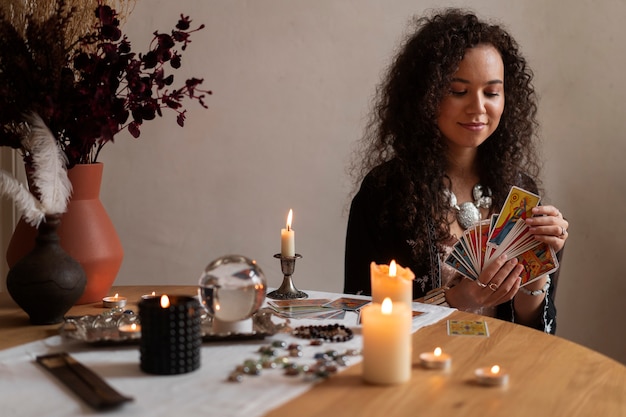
(26, 389)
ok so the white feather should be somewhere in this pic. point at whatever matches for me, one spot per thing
(26, 202)
(49, 174)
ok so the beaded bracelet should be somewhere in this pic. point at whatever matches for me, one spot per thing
(540, 291)
(330, 332)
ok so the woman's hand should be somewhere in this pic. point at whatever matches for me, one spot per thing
(497, 283)
(549, 226)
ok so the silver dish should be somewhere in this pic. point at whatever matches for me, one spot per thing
(103, 329)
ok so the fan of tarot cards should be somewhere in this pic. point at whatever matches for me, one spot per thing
(508, 233)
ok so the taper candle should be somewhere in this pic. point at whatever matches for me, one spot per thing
(288, 238)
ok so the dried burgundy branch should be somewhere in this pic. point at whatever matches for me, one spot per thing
(87, 95)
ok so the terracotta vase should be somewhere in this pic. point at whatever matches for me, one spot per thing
(46, 282)
(86, 233)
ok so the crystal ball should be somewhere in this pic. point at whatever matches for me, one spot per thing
(232, 288)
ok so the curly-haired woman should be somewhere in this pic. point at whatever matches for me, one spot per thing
(456, 115)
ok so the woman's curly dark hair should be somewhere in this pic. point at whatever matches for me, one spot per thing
(403, 125)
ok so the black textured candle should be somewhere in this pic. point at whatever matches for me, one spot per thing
(170, 335)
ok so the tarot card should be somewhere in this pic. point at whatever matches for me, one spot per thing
(414, 313)
(299, 313)
(518, 250)
(300, 308)
(478, 235)
(471, 242)
(490, 249)
(519, 237)
(483, 238)
(537, 262)
(518, 205)
(308, 302)
(468, 328)
(455, 263)
(461, 259)
(508, 233)
(462, 253)
(347, 303)
(332, 314)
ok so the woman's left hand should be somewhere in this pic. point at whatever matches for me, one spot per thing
(549, 226)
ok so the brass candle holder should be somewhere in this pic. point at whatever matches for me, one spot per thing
(287, 291)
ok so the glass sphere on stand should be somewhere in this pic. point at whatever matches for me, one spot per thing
(232, 288)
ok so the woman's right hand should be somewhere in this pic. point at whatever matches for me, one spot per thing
(497, 283)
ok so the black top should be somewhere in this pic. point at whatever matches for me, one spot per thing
(367, 241)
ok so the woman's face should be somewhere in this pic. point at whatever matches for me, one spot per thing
(471, 110)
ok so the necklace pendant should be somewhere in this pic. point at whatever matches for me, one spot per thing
(467, 215)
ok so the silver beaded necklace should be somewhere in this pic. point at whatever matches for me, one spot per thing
(468, 213)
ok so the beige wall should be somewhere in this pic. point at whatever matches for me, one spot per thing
(10, 162)
(292, 82)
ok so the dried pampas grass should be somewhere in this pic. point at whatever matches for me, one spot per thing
(82, 18)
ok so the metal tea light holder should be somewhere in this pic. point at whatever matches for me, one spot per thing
(287, 291)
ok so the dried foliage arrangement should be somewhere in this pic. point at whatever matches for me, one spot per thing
(81, 76)
(81, 22)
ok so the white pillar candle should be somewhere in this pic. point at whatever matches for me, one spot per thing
(288, 238)
(386, 342)
(391, 281)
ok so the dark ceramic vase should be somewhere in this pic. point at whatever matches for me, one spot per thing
(86, 233)
(46, 282)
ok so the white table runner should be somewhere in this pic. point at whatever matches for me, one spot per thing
(28, 390)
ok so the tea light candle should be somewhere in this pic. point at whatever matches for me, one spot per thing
(435, 360)
(288, 238)
(130, 330)
(147, 296)
(493, 376)
(115, 301)
(391, 281)
(386, 342)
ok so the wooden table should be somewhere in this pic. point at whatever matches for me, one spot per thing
(15, 328)
(549, 376)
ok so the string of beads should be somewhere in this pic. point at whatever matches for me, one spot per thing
(329, 332)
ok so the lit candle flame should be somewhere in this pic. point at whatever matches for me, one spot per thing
(437, 352)
(495, 369)
(387, 306)
(165, 301)
(392, 269)
(153, 293)
(289, 218)
(116, 295)
(133, 326)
